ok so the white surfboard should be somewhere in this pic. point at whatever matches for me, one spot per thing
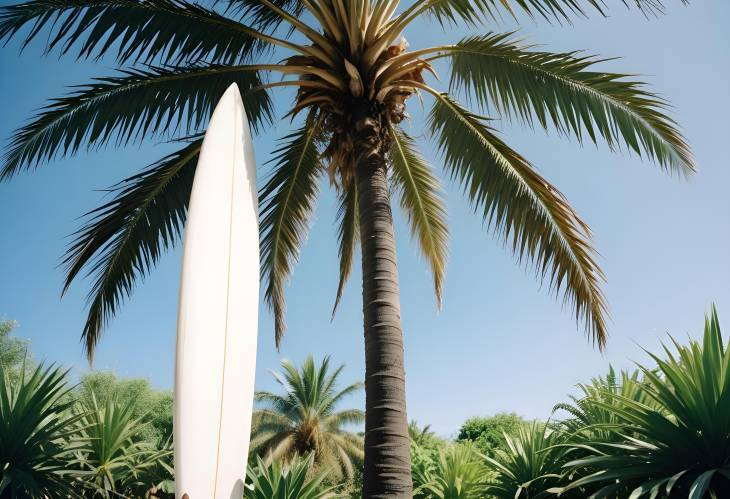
(218, 315)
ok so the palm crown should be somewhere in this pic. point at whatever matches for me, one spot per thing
(353, 75)
(305, 418)
(351, 64)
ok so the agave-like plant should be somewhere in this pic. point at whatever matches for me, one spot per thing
(353, 78)
(305, 419)
(112, 459)
(531, 465)
(35, 433)
(291, 480)
(457, 473)
(593, 414)
(677, 444)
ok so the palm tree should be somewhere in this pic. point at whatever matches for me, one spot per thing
(304, 419)
(353, 79)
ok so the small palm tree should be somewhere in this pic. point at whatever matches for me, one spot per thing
(353, 78)
(34, 433)
(304, 420)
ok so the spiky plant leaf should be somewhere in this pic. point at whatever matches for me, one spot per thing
(676, 441)
(305, 418)
(420, 195)
(162, 31)
(35, 433)
(287, 202)
(523, 208)
(348, 236)
(564, 90)
(294, 479)
(112, 456)
(531, 464)
(123, 239)
(132, 105)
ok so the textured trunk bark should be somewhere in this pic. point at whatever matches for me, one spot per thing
(387, 472)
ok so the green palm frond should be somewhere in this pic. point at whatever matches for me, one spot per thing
(420, 195)
(133, 104)
(259, 16)
(565, 90)
(287, 202)
(348, 236)
(124, 239)
(474, 12)
(165, 31)
(523, 208)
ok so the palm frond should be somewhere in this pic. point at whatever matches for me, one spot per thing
(348, 235)
(287, 202)
(564, 90)
(420, 195)
(476, 11)
(259, 16)
(523, 208)
(130, 105)
(162, 31)
(123, 239)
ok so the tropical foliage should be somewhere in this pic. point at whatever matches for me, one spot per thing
(674, 440)
(56, 441)
(34, 431)
(531, 463)
(305, 419)
(455, 473)
(487, 433)
(293, 480)
(353, 75)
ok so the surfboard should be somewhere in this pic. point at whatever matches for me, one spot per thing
(218, 312)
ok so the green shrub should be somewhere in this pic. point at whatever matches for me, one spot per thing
(488, 433)
(34, 430)
(673, 440)
(294, 479)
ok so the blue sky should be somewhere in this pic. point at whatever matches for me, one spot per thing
(501, 342)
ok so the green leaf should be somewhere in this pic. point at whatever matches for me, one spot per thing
(348, 235)
(564, 90)
(162, 31)
(287, 202)
(123, 239)
(132, 105)
(420, 194)
(523, 208)
(475, 11)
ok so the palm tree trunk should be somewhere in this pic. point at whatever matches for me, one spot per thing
(387, 472)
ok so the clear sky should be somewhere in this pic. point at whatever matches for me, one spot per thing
(501, 343)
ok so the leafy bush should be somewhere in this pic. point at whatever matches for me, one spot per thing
(291, 480)
(531, 464)
(676, 442)
(34, 430)
(488, 433)
(456, 473)
(111, 456)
